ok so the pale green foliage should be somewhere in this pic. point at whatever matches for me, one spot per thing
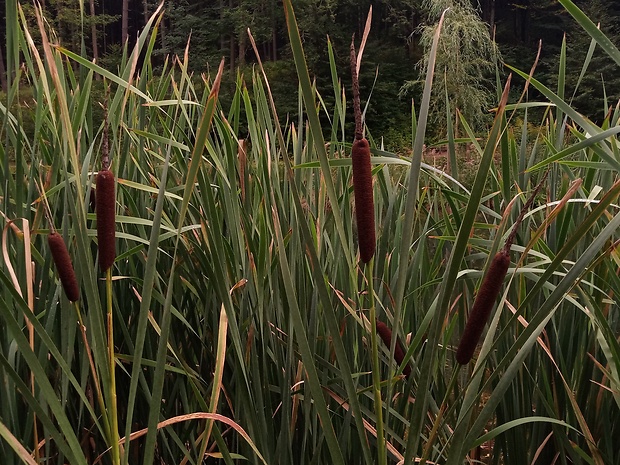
(466, 59)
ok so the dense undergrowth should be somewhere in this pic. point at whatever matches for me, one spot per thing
(239, 311)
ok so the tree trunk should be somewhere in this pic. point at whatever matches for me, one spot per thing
(3, 79)
(125, 22)
(222, 35)
(163, 34)
(93, 32)
(274, 34)
(232, 44)
(145, 11)
(521, 23)
(490, 16)
(492, 20)
(232, 52)
(243, 45)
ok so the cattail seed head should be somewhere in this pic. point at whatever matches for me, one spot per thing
(364, 203)
(385, 333)
(483, 305)
(62, 260)
(362, 175)
(106, 219)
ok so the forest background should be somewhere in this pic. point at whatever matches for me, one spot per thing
(218, 28)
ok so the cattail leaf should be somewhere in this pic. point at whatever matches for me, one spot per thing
(60, 427)
(603, 150)
(514, 423)
(585, 143)
(14, 443)
(309, 97)
(593, 30)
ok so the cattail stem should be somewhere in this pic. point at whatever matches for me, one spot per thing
(357, 111)
(114, 436)
(376, 374)
(242, 159)
(526, 207)
(438, 420)
(93, 369)
(62, 260)
(105, 151)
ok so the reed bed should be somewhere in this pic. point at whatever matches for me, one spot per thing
(239, 311)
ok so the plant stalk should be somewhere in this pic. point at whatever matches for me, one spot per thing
(93, 369)
(114, 436)
(376, 373)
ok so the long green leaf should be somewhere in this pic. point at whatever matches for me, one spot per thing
(601, 39)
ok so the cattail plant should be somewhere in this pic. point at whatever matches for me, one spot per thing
(365, 217)
(105, 209)
(489, 290)
(362, 176)
(62, 260)
(385, 333)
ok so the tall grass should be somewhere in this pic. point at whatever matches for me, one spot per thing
(241, 318)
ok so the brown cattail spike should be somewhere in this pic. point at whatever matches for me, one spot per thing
(490, 288)
(364, 202)
(62, 260)
(385, 334)
(106, 219)
(483, 305)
